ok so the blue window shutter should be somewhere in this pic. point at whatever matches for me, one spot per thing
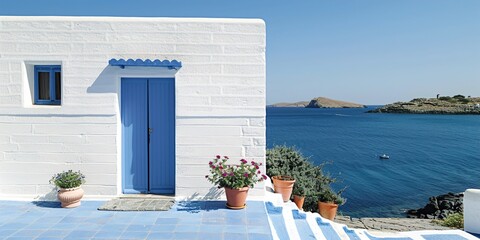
(51, 69)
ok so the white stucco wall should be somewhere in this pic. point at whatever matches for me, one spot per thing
(471, 210)
(220, 97)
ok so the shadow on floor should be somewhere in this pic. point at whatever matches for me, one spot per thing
(45, 204)
(197, 206)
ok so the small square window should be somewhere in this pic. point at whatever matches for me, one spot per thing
(48, 84)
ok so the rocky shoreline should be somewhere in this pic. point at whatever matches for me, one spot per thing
(457, 104)
(390, 224)
(437, 208)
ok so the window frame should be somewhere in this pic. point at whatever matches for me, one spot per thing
(52, 69)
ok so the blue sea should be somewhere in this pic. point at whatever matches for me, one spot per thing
(429, 154)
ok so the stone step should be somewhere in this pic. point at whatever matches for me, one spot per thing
(146, 196)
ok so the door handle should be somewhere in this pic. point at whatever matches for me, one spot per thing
(150, 130)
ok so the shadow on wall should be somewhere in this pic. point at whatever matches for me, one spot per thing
(213, 193)
(106, 82)
(50, 196)
(195, 202)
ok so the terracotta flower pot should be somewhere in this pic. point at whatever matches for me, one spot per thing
(236, 198)
(70, 197)
(299, 201)
(327, 210)
(284, 187)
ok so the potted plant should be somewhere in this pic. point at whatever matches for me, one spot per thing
(283, 184)
(288, 168)
(282, 161)
(328, 202)
(69, 183)
(306, 176)
(299, 192)
(310, 182)
(235, 179)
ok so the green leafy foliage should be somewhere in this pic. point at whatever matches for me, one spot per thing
(300, 188)
(285, 161)
(234, 176)
(309, 178)
(68, 179)
(327, 195)
(454, 220)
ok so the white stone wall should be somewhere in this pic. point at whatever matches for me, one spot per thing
(220, 97)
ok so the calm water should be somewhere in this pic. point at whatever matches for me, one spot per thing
(429, 154)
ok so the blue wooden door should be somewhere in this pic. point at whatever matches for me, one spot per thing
(161, 93)
(148, 128)
(134, 112)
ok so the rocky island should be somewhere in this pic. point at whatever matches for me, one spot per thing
(294, 104)
(320, 102)
(457, 104)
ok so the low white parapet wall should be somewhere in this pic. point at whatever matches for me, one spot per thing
(471, 210)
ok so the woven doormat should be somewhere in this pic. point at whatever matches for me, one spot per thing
(135, 204)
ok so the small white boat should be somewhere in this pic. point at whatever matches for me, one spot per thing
(384, 156)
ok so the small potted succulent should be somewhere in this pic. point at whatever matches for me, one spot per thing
(69, 183)
(328, 202)
(235, 179)
(299, 196)
(299, 193)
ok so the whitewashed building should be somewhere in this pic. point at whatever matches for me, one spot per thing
(70, 98)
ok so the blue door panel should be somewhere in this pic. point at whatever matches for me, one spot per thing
(161, 94)
(135, 136)
(148, 164)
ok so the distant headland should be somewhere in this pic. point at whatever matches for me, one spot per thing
(457, 104)
(320, 102)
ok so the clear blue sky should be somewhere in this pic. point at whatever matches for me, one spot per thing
(368, 51)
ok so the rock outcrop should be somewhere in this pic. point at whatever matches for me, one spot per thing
(443, 105)
(320, 102)
(439, 207)
(295, 104)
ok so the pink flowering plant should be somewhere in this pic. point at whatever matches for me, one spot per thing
(234, 176)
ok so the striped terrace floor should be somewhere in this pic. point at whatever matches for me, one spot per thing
(185, 220)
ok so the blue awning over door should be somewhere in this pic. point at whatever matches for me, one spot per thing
(174, 64)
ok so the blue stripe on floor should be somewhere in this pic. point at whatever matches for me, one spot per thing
(271, 209)
(303, 228)
(443, 237)
(278, 222)
(351, 233)
(327, 229)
